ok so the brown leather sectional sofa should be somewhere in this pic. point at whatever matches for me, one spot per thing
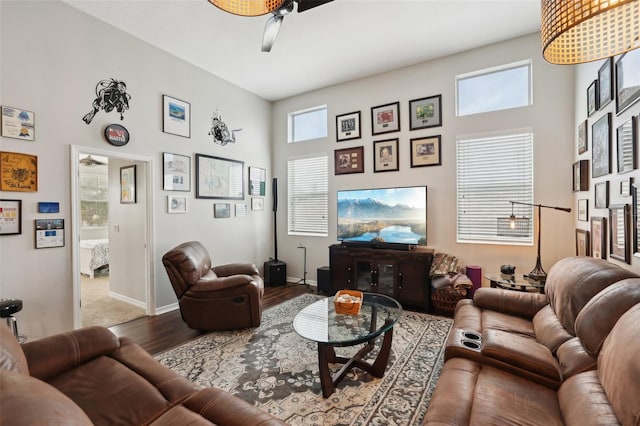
(89, 376)
(569, 356)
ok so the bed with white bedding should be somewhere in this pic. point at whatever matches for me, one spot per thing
(93, 255)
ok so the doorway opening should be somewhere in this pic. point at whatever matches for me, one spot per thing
(112, 237)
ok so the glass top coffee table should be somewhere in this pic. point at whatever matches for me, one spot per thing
(320, 323)
(515, 282)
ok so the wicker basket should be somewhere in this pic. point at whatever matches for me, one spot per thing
(444, 300)
(351, 308)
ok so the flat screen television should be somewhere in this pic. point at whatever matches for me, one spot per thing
(383, 216)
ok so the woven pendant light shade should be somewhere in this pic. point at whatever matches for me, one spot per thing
(577, 31)
(248, 7)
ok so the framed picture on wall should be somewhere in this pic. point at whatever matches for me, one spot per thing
(176, 170)
(425, 112)
(601, 146)
(626, 141)
(583, 141)
(605, 83)
(426, 151)
(582, 243)
(581, 176)
(599, 237)
(592, 98)
(176, 204)
(601, 195)
(349, 160)
(218, 177)
(18, 172)
(619, 232)
(128, 184)
(635, 194)
(18, 123)
(221, 210)
(627, 84)
(583, 210)
(385, 118)
(10, 217)
(385, 156)
(348, 126)
(176, 116)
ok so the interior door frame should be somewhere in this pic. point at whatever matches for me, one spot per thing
(75, 153)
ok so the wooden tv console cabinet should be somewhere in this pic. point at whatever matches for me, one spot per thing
(403, 275)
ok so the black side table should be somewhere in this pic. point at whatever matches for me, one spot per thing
(515, 282)
(8, 307)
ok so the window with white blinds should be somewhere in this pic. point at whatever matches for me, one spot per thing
(493, 170)
(308, 200)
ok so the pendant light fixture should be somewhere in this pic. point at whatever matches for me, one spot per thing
(248, 7)
(577, 31)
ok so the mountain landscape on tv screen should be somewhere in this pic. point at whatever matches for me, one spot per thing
(371, 220)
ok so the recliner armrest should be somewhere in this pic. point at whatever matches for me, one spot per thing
(50, 356)
(220, 284)
(510, 302)
(235, 269)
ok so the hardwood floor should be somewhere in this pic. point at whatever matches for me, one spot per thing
(162, 332)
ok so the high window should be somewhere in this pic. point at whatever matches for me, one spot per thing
(508, 86)
(307, 191)
(308, 124)
(493, 170)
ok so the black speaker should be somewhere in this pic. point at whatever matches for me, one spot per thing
(324, 278)
(275, 273)
(274, 188)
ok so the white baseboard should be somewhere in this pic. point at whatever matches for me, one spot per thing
(167, 308)
(128, 300)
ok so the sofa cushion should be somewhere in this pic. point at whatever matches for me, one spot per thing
(548, 329)
(28, 401)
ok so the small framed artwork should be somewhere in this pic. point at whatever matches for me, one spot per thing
(601, 195)
(583, 210)
(581, 176)
(176, 204)
(619, 232)
(425, 151)
(176, 170)
(385, 156)
(349, 160)
(601, 146)
(18, 172)
(605, 83)
(241, 210)
(582, 243)
(221, 210)
(625, 187)
(425, 112)
(583, 141)
(635, 195)
(385, 118)
(257, 181)
(176, 116)
(599, 237)
(627, 139)
(49, 233)
(257, 203)
(219, 178)
(348, 126)
(18, 123)
(627, 81)
(592, 98)
(10, 217)
(48, 207)
(128, 184)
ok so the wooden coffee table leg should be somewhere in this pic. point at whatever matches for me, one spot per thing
(326, 354)
(380, 364)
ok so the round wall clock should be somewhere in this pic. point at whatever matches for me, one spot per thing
(116, 134)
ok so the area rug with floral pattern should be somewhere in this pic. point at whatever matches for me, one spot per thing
(275, 369)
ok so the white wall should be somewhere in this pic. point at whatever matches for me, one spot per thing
(550, 117)
(585, 75)
(52, 57)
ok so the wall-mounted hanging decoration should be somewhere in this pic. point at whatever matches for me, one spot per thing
(257, 203)
(10, 217)
(627, 87)
(385, 156)
(219, 178)
(176, 171)
(241, 210)
(220, 131)
(426, 151)
(110, 94)
(18, 123)
(116, 135)
(257, 181)
(49, 233)
(601, 146)
(348, 126)
(349, 160)
(176, 204)
(385, 118)
(48, 207)
(128, 184)
(221, 210)
(18, 172)
(599, 237)
(425, 112)
(176, 116)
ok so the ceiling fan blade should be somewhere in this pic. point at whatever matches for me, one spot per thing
(271, 29)
(310, 4)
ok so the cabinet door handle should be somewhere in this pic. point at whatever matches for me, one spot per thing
(399, 280)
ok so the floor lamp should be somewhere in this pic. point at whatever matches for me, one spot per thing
(537, 273)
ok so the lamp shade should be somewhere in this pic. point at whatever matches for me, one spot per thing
(577, 31)
(248, 7)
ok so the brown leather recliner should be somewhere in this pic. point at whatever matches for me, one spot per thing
(214, 298)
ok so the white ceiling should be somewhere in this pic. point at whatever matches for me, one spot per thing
(333, 43)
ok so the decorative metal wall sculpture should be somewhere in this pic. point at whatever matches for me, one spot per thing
(220, 131)
(110, 94)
